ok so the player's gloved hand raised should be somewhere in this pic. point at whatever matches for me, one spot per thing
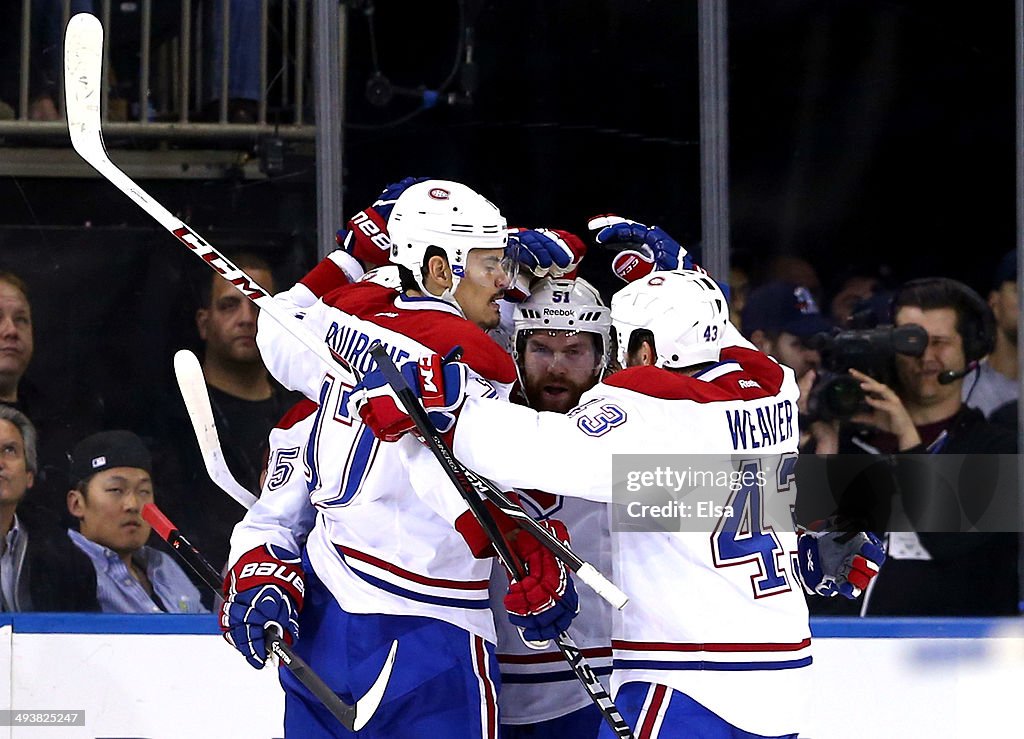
(549, 252)
(365, 235)
(264, 589)
(544, 602)
(437, 381)
(645, 249)
(838, 562)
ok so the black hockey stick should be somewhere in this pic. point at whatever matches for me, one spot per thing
(352, 718)
(469, 486)
(469, 479)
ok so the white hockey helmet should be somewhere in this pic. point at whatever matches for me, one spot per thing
(563, 305)
(448, 215)
(685, 311)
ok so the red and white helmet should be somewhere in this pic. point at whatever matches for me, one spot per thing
(569, 306)
(448, 215)
(685, 311)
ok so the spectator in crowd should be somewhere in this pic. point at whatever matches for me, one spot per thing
(246, 403)
(796, 270)
(16, 339)
(39, 568)
(59, 421)
(111, 474)
(851, 293)
(779, 318)
(995, 388)
(928, 572)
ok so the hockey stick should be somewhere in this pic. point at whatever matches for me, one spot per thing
(192, 384)
(83, 62)
(468, 485)
(352, 718)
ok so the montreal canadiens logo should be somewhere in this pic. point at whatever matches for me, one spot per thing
(439, 193)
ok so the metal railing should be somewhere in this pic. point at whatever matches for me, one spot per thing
(173, 99)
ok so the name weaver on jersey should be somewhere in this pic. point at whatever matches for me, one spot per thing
(680, 661)
(774, 423)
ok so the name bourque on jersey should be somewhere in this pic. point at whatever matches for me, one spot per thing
(384, 539)
(717, 613)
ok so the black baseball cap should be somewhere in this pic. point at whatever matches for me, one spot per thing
(108, 449)
(783, 306)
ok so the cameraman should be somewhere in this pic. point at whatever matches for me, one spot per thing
(939, 574)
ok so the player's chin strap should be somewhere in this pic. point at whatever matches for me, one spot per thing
(192, 384)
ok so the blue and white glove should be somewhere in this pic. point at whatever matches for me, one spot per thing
(835, 563)
(544, 253)
(263, 590)
(650, 248)
(548, 252)
(365, 235)
(544, 602)
(439, 382)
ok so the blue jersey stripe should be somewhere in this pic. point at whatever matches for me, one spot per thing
(434, 600)
(532, 678)
(652, 664)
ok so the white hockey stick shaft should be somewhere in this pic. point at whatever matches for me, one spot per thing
(83, 63)
(192, 384)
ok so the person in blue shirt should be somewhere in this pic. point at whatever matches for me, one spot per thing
(111, 475)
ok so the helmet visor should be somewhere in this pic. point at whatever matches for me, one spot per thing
(491, 267)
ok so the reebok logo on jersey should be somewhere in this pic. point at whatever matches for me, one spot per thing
(749, 383)
(810, 561)
(385, 315)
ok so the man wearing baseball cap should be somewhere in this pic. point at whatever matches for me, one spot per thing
(779, 318)
(111, 482)
(995, 387)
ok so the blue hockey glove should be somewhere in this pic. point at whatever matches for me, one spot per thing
(645, 248)
(548, 252)
(264, 589)
(365, 235)
(439, 382)
(544, 602)
(838, 562)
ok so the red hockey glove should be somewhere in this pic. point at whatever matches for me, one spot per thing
(264, 589)
(365, 235)
(440, 384)
(544, 602)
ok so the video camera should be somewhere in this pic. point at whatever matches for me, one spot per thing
(836, 395)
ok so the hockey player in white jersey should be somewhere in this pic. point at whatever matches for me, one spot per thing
(715, 640)
(561, 340)
(394, 552)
